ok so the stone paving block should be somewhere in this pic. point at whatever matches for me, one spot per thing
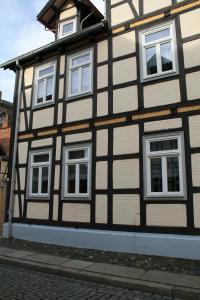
(5, 251)
(172, 278)
(115, 270)
(78, 264)
(19, 254)
(47, 259)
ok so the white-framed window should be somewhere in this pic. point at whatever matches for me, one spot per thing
(1, 120)
(45, 84)
(164, 162)
(77, 171)
(158, 51)
(39, 173)
(67, 27)
(80, 70)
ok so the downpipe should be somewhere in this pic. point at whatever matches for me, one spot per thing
(13, 172)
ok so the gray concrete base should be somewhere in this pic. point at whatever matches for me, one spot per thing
(181, 246)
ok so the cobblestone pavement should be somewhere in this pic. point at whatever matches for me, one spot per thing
(20, 283)
(147, 262)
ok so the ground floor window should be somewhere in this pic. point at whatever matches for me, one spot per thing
(77, 171)
(164, 172)
(39, 173)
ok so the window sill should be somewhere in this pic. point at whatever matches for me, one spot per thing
(50, 103)
(79, 96)
(159, 77)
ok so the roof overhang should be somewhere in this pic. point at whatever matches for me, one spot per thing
(101, 27)
(50, 11)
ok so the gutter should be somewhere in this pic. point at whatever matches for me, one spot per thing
(13, 170)
(102, 26)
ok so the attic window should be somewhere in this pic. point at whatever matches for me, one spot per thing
(67, 27)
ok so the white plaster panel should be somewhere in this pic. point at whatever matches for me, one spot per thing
(102, 48)
(153, 5)
(101, 209)
(163, 125)
(61, 88)
(28, 76)
(102, 104)
(58, 148)
(22, 174)
(22, 126)
(125, 99)
(101, 175)
(22, 152)
(191, 53)
(57, 178)
(193, 83)
(126, 173)
(124, 44)
(190, 23)
(43, 118)
(68, 13)
(60, 111)
(102, 76)
(124, 70)
(170, 215)
(196, 169)
(126, 139)
(78, 137)
(42, 143)
(79, 110)
(75, 212)
(162, 93)
(120, 14)
(126, 209)
(16, 206)
(102, 142)
(37, 210)
(62, 64)
(55, 207)
(194, 124)
(28, 97)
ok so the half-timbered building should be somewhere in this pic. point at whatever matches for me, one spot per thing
(107, 144)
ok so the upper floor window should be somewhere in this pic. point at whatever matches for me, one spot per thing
(164, 164)
(77, 171)
(45, 84)
(67, 27)
(1, 120)
(80, 73)
(158, 51)
(39, 173)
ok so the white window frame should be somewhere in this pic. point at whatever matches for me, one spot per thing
(37, 79)
(163, 155)
(144, 45)
(80, 66)
(63, 23)
(76, 162)
(39, 165)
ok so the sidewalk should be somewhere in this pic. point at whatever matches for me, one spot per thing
(160, 282)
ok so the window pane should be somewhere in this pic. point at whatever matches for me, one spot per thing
(67, 29)
(71, 179)
(164, 145)
(45, 172)
(41, 158)
(151, 61)
(85, 79)
(40, 92)
(35, 180)
(84, 59)
(49, 88)
(166, 56)
(156, 175)
(83, 178)
(173, 174)
(157, 35)
(76, 154)
(46, 72)
(74, 81)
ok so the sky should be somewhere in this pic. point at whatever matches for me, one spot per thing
(21, 32)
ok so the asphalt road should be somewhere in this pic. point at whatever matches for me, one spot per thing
(20, 283)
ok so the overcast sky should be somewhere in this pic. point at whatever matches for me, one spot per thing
(20, 32)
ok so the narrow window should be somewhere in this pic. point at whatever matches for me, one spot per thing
(158, 51)
(39, 178)
(45, 84)
(164, 166)
(77, 172)
(67, 28)
(80, 74)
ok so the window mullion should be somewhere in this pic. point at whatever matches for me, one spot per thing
(80, 78)
(164, 174)
(77, 178)
(148, 166)
(40, 181)
(158, 58)
(45, 89)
